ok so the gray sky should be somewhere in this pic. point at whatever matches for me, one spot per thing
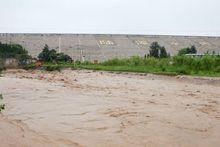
(177, 17)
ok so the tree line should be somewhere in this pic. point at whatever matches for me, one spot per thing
(158, 51)
(51, 55)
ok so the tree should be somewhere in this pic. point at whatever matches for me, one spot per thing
(157, 51)
(15, 51)
(11, 50)
(48, 55)
(163, 53)
(188, 50)
(63, 58)
(44, 55)
(154, 49)
(193, 49)
(52, 55)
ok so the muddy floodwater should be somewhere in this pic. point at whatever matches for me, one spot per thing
(88, 108)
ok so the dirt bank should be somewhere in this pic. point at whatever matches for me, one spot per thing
(86, 108)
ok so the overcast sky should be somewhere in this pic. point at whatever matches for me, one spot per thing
(177, 17)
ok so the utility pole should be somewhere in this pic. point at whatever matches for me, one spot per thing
(82, 57)
(59, 44)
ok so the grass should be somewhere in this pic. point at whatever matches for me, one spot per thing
(178, 65)
(138, 69)
(171, 71)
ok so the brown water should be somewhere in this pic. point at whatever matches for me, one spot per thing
(85, 108)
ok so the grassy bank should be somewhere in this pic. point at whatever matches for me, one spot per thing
(178, 65)
(172, 71)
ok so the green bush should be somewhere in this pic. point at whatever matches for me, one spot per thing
(134, 61)
(77, 62)
(52, 67)
(188, 50)
(217, 69)
(61, 57)
(182, 71)
(11, 50)
(87, 63)
(150, 61)
(48, 55)
(207, 65)
(157, 51)
(29, 66)
(115, 62)
(14, 51)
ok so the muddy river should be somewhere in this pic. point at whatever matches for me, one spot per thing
(88, 108)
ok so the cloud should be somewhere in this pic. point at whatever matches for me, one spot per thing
(188, 17)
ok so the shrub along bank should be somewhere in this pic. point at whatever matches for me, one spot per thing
(178, 65)
(158, 61)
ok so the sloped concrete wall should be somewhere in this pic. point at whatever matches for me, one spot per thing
(103, 47)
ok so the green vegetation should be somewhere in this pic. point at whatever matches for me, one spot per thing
(2, 106)
(188, 50)
(48, 55)
(11, 50)
(178, 65)
(158, 61)
(157, 51)
(15, 51)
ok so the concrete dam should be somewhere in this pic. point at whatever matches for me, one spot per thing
(102, 47)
